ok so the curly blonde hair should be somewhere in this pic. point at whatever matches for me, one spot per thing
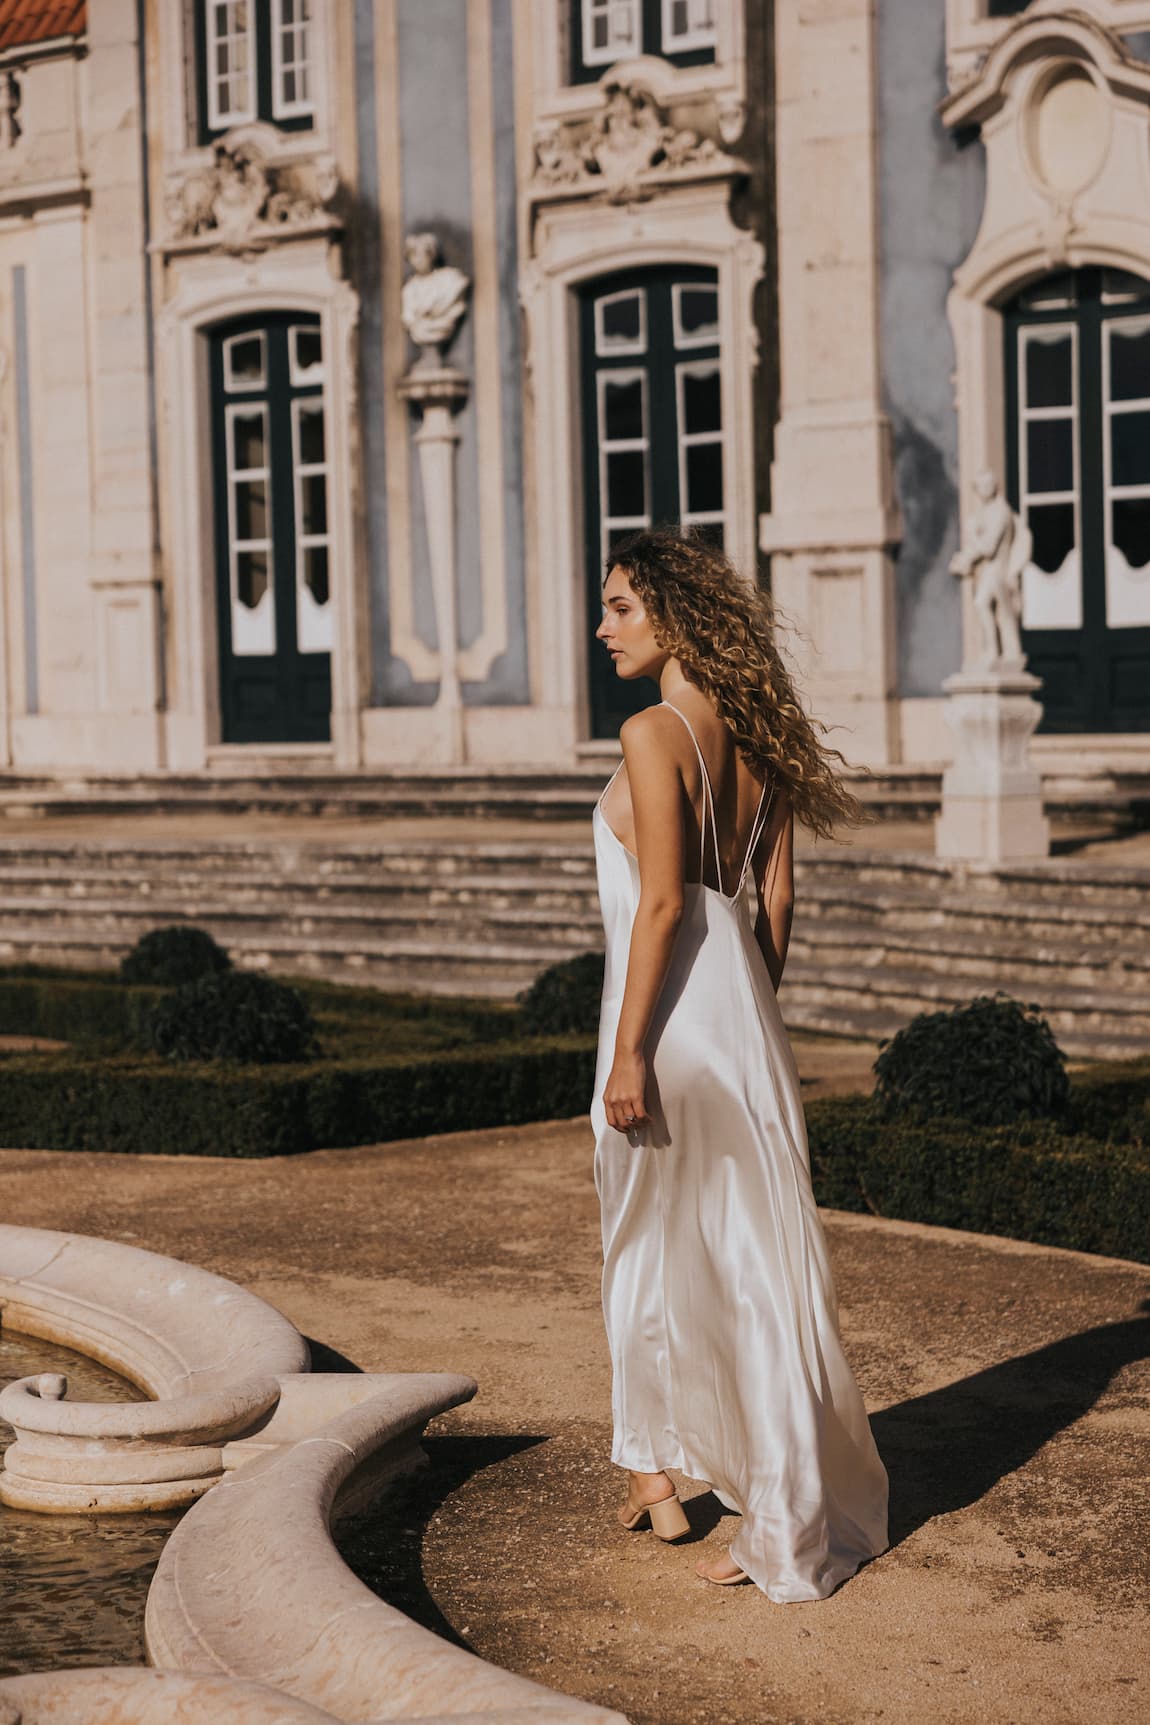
(721, 629)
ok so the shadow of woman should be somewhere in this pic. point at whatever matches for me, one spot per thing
(946, 1449)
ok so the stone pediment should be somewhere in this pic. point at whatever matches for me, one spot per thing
(241, 199)
(625, 153)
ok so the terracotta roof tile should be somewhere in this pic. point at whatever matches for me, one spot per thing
(25, 21)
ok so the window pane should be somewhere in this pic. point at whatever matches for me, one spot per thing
(251, 509)
(315, 572)
(311, 440)
(248, 443)
(1052, 525)
(306, 347)
(1123, 285)
(1059, 289)
(314, 491)
(1049, 376)
(244, 362)
(626, 486)
(622, 408)
(1050, 455)
(704, 478)
(1129, 363)
(702, 402)
(696, 314)
(1130, 449)
(1130, 529)
(619, 321)
(251, 577)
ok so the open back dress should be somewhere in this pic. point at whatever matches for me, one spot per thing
(720, 1307)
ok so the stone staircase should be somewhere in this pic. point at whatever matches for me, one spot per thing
(878, 936)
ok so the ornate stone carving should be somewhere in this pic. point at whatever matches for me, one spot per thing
(434, 299)
(996, 553)
(629, 149)
(242, 202)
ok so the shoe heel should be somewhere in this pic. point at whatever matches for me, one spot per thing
(668, 1520)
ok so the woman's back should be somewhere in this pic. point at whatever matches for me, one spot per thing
(716, 782)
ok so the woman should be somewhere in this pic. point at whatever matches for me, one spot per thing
(719, 1303)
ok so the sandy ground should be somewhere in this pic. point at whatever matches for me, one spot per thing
(1009, 1388)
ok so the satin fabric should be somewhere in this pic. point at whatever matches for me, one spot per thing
(719, 1303)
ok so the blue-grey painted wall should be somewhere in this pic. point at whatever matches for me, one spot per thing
(435, 177)
(931, 192)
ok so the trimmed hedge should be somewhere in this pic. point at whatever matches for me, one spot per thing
(133, 1105)
(1032, 1181)
(991, 1062)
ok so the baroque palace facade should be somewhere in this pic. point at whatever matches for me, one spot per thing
(797, 272)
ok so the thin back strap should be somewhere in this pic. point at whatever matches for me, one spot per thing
(760, 822)
(708, 803)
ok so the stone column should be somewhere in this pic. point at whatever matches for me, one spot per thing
(440, 393)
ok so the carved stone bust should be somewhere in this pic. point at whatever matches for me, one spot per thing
(434, 298)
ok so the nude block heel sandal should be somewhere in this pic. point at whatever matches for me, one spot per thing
(666, 1517)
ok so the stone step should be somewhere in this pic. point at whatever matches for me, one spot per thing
(1100, 1011)
(855, 1018)
(245, 923)
(1017, 963)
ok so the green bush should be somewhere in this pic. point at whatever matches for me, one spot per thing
(172, 955)
(991, 1062)
(565, 997)
(1030, 1181)
(237, 1016)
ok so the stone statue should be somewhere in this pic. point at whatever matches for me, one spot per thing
(996, 553)
(434, 299)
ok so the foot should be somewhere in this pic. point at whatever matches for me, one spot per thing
(721, 1569)
(644, 1489)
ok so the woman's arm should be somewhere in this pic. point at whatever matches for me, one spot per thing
(776, 890)
(657, 805)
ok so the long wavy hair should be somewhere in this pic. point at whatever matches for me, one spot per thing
(721, 629)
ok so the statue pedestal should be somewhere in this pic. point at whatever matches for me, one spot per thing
(438, 392)
(992, 795)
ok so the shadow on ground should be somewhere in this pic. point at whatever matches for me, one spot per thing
(948, 1448)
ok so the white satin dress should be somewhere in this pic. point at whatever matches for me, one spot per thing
(720, 1307)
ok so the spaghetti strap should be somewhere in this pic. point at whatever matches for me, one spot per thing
(708, 804)
(757, 826)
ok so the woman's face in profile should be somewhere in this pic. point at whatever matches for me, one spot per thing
(626, 631)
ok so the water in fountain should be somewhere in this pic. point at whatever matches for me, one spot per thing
(73, 1586)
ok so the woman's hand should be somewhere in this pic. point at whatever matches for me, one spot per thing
(623, 1097)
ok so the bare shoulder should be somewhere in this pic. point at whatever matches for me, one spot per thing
(649, 736)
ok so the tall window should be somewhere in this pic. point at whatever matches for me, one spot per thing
(603, 31)
(653, 432)
(255, 62)
(1078, 436)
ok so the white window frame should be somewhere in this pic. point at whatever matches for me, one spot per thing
(1026, 415)
(589, 10)
(605, 345)
(258, 622)
(692, 439)
(705, 338)
(307, 607)
(281, 109)
(609, 524)
(695, 36)
(218, 118)
(237, 385)
(1112, 493)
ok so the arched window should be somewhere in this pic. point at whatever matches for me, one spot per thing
(1078, 470)
(653, 431)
